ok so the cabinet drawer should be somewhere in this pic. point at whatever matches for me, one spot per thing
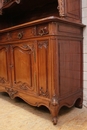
(24, 33)
(18, 34)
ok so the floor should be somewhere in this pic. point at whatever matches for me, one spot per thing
(17, 115)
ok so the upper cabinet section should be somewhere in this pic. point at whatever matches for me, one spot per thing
(15, 12)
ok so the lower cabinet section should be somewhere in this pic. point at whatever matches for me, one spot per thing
(45, 70)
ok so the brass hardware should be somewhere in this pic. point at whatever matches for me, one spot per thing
(20, 35)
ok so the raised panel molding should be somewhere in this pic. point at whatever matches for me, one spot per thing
(27, 67)
(42, 67)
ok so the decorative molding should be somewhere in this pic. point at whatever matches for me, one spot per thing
(54, 100)
(11, 92)
(29, 48)
(61, 7)
(42, 93)
(43, 44)
(23, 86)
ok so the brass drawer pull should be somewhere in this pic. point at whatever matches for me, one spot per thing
(20, 35)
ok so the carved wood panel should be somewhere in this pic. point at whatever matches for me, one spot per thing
(43, 53)
(73, 8)
(4, 66)
(23, 66)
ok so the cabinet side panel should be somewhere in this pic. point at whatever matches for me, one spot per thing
(70, 66)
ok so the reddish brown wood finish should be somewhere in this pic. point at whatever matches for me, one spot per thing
(41, 61)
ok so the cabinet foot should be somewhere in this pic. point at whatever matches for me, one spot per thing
(78, 103)
(54, 120)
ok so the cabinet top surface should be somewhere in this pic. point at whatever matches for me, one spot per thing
(40, 21)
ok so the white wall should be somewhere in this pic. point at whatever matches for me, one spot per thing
(84, 21)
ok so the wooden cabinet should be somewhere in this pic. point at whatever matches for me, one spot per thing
(41, 60)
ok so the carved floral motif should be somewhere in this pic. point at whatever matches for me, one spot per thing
(61, 7)
(11, 92)
(43, 44)
(42, 93)
(28, 47)
(43, 31)
(23, 86)
(3, 80)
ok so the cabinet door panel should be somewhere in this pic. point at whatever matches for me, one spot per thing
(4, 73)
(43, 67)
(23, 62)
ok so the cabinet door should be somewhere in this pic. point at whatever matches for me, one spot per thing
(23, 59)
(44, 68)
(4, 67)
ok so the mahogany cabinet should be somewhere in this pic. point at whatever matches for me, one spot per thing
(41, 59)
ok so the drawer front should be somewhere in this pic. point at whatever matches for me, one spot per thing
(18, 34)
(24, 33)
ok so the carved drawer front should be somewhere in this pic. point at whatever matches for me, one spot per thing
(24, 33)
(18, 34)
(23, 66)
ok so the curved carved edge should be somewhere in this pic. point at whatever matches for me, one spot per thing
(27, 47)
(79, 102)
(24, 86)
(61, 7)
(11, 92)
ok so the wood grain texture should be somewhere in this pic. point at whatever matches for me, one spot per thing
(41, 60)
